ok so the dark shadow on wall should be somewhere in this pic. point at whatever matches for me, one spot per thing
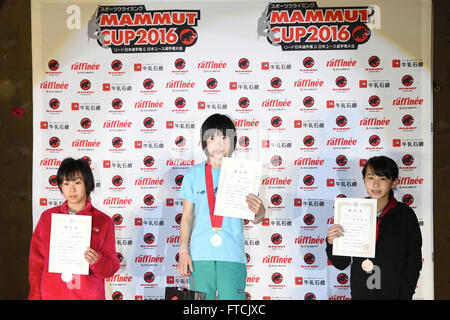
(16, 140)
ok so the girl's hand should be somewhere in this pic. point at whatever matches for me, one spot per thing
(256, 205)
(185, 266)
(334, 232)
(91, 255)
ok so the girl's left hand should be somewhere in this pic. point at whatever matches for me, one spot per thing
(91, 255)
(256, 205)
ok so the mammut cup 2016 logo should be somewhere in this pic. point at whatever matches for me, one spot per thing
(180, 141)
(309, 258)
(178, 219)
(149, 161)
(117, 295)
(374, 61)
(341, 121)
(180, 63)
(275, 82)
(308, 141)
(244, 141)
(53, 65)
(341, 81)
(277, 278)
(52, 180)
(116, 65)
(276, 238)
(308, 180)
(117, 142)
(188, 36)
(408, 199)
(54, 103)
(276, 161)
(134, 29)
(85, 84)
(149, 238)
(243, 63)
(374, 101)
(148, 84)
(149, 122)
(374, 140)
(276, 121)
(180, 102)
(118, 219)
(407, 120)
(211, 83)
(117, 181)
(308, 101)
(85, 123)
(342, 278)
(179, 180)
(408, 160)
(304, 26)
(310, 296)
(361, 34)
(149, 277)
(276, 199)
(117, 103)
(149, 200)
(308, 62)
(407, 80)
(309, 219)
(54, 142)
(341, 160)
(244, 102)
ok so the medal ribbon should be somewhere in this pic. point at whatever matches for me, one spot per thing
(392, 203)
(216, 221)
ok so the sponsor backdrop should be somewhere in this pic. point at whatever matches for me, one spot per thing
(314, 88)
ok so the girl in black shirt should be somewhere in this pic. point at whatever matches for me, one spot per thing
(398, 256)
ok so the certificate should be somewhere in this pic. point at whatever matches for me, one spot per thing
(358, 218)
(238, 178)
(70, 236)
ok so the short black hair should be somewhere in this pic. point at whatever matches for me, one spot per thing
(71, 168)
(382, 166)
(222, 123)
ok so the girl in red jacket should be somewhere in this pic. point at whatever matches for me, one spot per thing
(75, 181)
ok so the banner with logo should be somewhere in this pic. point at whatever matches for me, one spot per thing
(314, 89)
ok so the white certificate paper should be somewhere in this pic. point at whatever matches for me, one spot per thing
(238, 178)
(358, 218)
(70, 236)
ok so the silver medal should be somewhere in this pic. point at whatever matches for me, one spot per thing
(66, 277)
(216, 240)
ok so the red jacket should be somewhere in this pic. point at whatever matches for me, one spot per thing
(49, 286)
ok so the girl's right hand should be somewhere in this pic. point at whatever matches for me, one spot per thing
(184, 264)
(335, 231)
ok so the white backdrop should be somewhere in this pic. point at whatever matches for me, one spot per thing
(309, 108)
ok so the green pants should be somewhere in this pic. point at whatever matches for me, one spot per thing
(225, 278)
